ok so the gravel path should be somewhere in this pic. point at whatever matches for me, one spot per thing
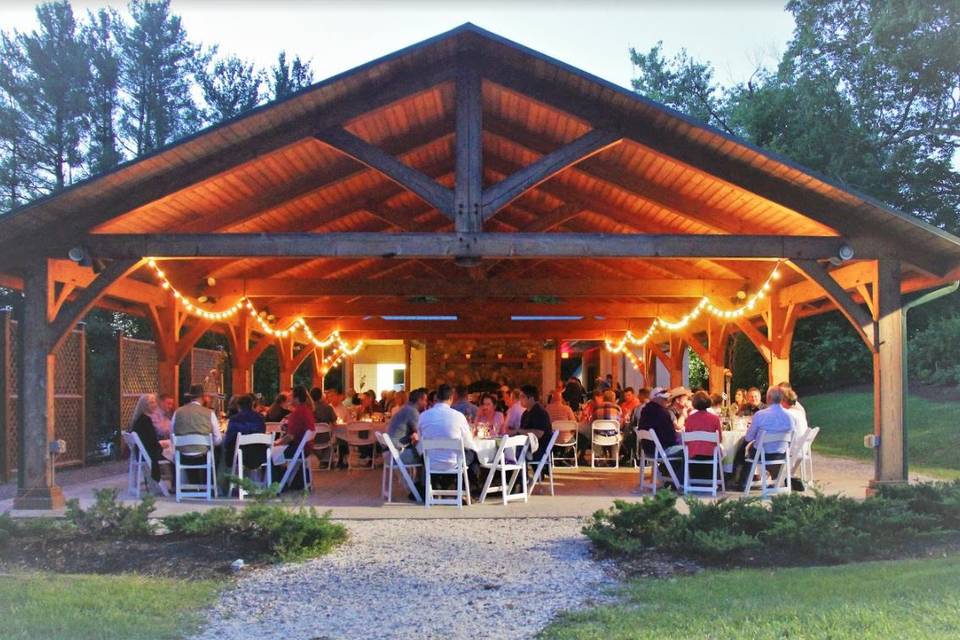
(497, 578)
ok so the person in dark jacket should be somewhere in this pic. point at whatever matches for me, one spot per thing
(245, 421)
(142, 425)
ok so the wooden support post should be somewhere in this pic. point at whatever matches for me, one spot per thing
(35, 484)
(781, 322)
(407, 380)
(677, 347)
(5, 358)
(319, 371)
(888, 379)
(717, 335)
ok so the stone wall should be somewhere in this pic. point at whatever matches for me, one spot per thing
(514, 362)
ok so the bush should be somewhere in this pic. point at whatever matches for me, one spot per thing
(790, 529)
(110, 517)
(627, 527)
(286, 535)
(934, 350)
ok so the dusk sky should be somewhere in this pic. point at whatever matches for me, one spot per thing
(595, 36)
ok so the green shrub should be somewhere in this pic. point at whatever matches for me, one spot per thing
(933, 352)
(788, 529)
(109, 517)
(285, 534)
(628, 527)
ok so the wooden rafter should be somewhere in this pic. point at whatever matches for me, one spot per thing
(861, 320)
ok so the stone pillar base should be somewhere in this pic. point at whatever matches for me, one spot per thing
(39, 499)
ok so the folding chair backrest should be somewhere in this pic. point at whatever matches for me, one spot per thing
(307, 438)
(244, 439)
(565, 427)
(513, 442)
(604, 424)
(701, 436)
(132, 440)
(443, 444)
(767, 439)
(191, 440)
(323, 433)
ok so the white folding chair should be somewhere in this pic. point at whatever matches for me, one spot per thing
(567, 440)
(802, 455)
(499, 466)
(545, 461)
(208, 490)
(781, 484)
(432, 467)
(393, 463)
(603, 440)
(244, 439)
(659, 456)
(140, 465)
(716, 464)
(298, 462)
(359, 434)
(323, 441)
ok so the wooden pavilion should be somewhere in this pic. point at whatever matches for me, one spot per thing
(471, 177)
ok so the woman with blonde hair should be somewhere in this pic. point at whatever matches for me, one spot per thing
(142, 425)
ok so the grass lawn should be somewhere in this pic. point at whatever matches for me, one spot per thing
(933, 429)
(909, 599)
(37, 605)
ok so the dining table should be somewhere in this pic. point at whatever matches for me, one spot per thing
(486, 448)
(732, 439)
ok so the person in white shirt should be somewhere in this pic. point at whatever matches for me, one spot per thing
(792, 404)
(772, 419)
(442, 421)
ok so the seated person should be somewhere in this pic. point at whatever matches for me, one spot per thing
(772, 419)
(702, 419)
(142, 425)
(442, 421)
(657, 417)
(278, 410)
(298, 423)
(322, 410)
(196, 418)
(461, 403)
(751, 404)
(403, 428)
(558, 408)
(244, 421)
(535, 419)
(487, 414)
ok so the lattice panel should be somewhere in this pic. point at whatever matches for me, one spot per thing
(138, 374)
(202, 362)
(68, 399)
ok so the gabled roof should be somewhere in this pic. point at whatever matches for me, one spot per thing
(674, 173)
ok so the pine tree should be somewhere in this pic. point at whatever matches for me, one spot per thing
(44, 74)
(17, 184)
(229, 88)
(103, 52)
(289, 78)
(157, 71)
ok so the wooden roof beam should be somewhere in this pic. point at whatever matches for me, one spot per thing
(504, 308)
(732, 171)
(445, 245)
(62, 233)
(428, 189)
(560, 287)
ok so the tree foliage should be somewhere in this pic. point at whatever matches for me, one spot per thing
(80, 94)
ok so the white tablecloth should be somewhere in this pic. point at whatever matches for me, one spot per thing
(486, 448)
(731, 442)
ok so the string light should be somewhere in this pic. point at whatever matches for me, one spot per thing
(704, 305)
(299, 324)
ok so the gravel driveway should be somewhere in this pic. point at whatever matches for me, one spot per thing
(497, 578)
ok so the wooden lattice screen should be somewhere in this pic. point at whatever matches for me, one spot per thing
(206, 368)
(68, 400)
(138, 373)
